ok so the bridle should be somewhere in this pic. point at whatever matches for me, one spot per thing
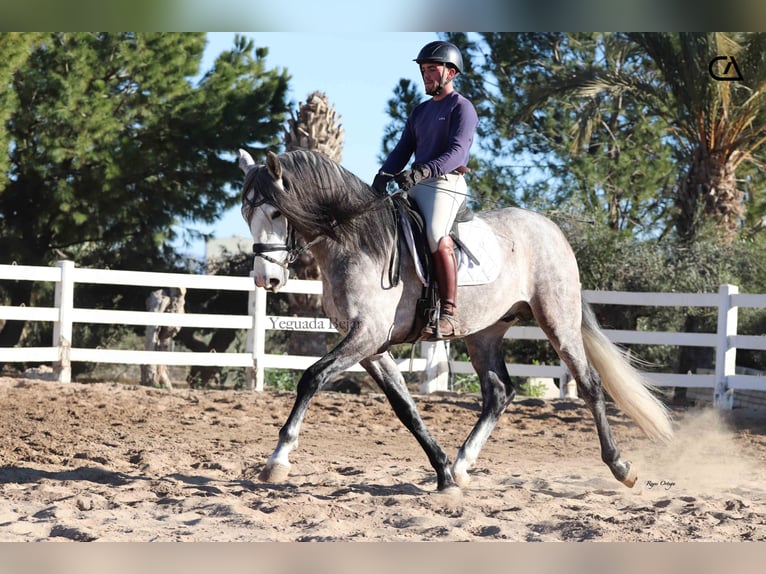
(290, 245)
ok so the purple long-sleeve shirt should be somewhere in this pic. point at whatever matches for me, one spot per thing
(439, 133)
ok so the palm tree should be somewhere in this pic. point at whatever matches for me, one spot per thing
(714, 126)
(315, 127)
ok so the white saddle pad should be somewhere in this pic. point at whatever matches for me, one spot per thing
(482, 243)
(479, 240)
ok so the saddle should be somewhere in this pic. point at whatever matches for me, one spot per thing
(412, 223)
(411, 232)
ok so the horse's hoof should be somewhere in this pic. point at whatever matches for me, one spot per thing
(274, 473)
(460, 472)
(462, 479)
(631, 477)
(450, 495)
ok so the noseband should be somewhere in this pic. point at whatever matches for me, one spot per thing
(261, 250)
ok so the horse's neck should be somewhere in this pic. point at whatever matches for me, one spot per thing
(329, 255)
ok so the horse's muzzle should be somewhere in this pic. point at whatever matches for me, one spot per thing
(269, 282)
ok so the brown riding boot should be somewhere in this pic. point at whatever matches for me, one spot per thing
(445, 270)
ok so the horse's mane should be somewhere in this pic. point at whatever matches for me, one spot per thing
(320, 197)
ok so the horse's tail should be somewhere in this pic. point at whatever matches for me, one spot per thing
(624, 383)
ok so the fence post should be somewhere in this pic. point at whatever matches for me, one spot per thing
(250, 341)
(62, 329)
(725, 356)
(256, 338)
(567, 385)
(436, 373)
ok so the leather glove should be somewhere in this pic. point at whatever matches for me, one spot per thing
(380, 183)
(410, 177)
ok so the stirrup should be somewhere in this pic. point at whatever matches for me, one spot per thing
(432, 331)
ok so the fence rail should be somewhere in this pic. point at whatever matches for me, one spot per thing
(63, 350)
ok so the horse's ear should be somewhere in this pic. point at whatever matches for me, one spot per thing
(272, 163)
(246, 162)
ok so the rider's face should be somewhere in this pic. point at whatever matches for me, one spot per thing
(433, 74)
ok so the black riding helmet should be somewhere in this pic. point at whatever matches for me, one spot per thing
(443, 53)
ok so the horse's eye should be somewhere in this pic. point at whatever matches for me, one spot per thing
(275, 214)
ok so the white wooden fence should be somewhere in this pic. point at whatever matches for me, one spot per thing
(63, 350)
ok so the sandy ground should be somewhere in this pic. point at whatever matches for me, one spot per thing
(112, 462)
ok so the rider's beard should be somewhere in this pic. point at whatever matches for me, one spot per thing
(432, 88)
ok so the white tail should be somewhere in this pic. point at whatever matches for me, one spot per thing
(624, 383)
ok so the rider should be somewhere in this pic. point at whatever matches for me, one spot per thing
(439, 132)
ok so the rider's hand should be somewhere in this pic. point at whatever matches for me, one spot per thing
(410, 177)
(380, 183)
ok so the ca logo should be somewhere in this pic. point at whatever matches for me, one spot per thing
(730, 71)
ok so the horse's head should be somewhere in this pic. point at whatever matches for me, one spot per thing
(268, 226)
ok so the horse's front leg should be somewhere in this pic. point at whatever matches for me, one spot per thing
(385, 372)
(352, 349)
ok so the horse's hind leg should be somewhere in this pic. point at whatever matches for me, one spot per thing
(485, 350)
(385, 372)
(590, 389)
(564, 332)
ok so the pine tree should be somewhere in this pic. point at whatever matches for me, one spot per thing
(113, 144)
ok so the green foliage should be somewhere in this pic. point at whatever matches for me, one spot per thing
(282, 379)
(630, 127)
(532, 389)
(112, 144)
(466, 384)
(14, 47)
(618, 262)
(541, 146)
(406, 97)
(112, 140)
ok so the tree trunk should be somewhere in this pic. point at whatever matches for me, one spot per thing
(710, 191)
(20, 293)
(201, 376)
(304, 305)
(316, 127)
(158, 338)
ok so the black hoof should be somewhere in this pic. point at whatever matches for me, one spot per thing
(446, 481)
(625, 473)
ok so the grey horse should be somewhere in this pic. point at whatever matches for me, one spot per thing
(303, 200)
